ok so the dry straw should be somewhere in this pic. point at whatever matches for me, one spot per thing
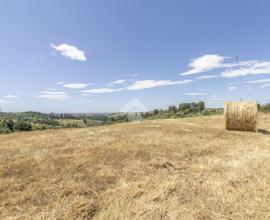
(241, 116)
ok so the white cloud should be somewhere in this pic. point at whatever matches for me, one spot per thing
(76, 85)
(258, 81)
(147, 84)
(254, 68)
(231, 88)
(60, 83)
(208, 77)
(11, 96)
(210, 62)
(204, 63)
(137, 85)
(196, 94)
(117, 82)
(134, 75)
(265, 85)
(51, 89)
(70, 51)
(85, 94)
(54, 95)
(6, 102)
(101, 91)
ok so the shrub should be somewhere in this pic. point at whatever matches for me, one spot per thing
(265, 108)
(172, 108)
(22, 126)
(185, 107)
(193, 107)
(9, 124)
(4, 130)
(155, 112)
(46, 122)
(200, 106)
(6, 126)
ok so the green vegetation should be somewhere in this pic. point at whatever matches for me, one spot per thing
(183, 110)
(27, 121)
(6, 126)
(265, 108)
(22, 126)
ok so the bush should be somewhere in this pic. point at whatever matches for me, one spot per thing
(6, 126)
(155, 112)
(172, 109)
(265, 108)
(193, 107)
(46, 122)
(9, 124)
(200, 106)
(22, 126)
(185, 108)
(4, 130)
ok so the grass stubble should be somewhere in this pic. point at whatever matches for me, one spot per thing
(188, 168)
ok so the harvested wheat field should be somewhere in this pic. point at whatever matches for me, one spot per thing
(161, 169)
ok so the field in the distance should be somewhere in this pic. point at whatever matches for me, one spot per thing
(161, 169)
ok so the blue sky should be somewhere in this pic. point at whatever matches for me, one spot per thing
(96, 56)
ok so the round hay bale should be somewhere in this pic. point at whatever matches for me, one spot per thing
(241, 116)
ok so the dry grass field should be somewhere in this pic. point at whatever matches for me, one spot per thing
(77, 122)
(161, 169)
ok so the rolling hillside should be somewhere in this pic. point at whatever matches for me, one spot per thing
(187, 168)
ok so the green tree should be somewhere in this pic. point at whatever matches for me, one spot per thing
(5, 127)
(22, 126)
(155, 111)
(172, 109)
(266, 107)
(10, 124)
(200, 106)
(185, 107)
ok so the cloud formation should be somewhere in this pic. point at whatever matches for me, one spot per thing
(54, 95)
(211, 62)
(101, 91)
(196, 94)
(134, 75)
(265, 85)
(258, 81)
(76, 85)
(254, 68)
(204, 63)
(208, 77)
(70, 51)
(231, 88)
(147, 84)
(137, 85)
(11, 96)
(117, 82)
(5, 101)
